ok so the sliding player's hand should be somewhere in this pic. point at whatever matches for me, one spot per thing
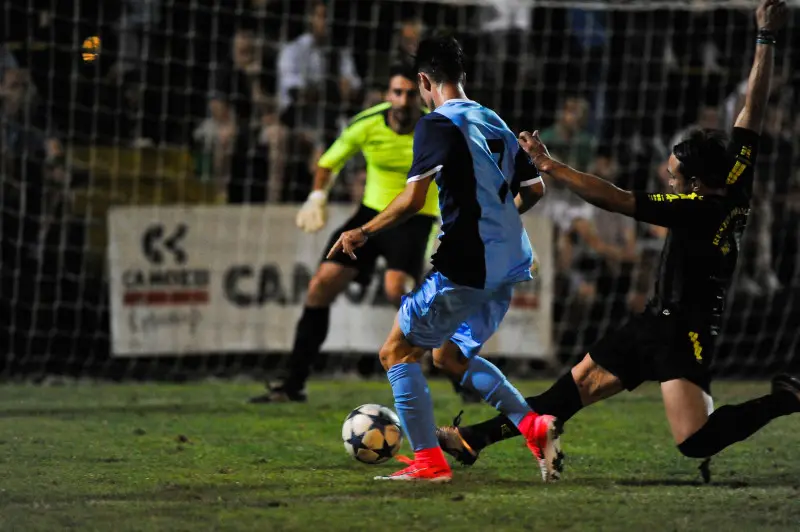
(771, 15)
(536, 150)
(348, 242)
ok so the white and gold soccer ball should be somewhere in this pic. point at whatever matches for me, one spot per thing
(372, 434)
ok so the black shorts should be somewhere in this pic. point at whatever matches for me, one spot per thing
(657, 347)
(403, 247)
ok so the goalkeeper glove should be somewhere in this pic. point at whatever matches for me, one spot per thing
(314, 212)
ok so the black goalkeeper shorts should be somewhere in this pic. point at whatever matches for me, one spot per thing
(657, 347)
(403, 247)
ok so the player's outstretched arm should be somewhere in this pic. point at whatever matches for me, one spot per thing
(591, 188)
(770, 17)
(406, 204)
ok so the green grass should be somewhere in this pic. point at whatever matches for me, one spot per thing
(196, 457)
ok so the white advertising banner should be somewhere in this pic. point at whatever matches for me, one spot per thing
(223, 279)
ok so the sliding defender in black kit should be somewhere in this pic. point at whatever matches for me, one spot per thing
(672, 341)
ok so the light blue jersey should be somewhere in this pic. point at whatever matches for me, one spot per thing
(479, 167)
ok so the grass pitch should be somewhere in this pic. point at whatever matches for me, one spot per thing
(196, 457)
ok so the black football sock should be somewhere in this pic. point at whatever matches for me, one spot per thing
(562, 400)
(733, 423)
(312, 329)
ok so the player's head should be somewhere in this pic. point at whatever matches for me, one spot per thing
(403, 94)
(700, 162)
(439, 61)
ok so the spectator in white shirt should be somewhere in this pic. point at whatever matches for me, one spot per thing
(308, 62)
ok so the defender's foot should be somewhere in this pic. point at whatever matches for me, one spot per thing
(543, 441)
(451, 442)
(784, 383)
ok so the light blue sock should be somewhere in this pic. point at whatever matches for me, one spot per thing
(412, 400)
(484, 377)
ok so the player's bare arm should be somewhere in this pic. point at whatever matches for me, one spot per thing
(593, 189)
(529, 196)
(405, 205)
(771, 15)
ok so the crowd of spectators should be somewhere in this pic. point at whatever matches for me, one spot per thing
(257, 89)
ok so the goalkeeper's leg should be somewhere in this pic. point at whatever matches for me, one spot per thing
(330, 280)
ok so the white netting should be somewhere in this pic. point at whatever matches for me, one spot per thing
(207, 102)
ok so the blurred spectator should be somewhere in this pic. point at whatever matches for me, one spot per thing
(779, 89)
(214, 141)
(240, 143)
(404, 46)
(588, 45)
(503, 59)
(135, 127)
(567, 139)
(598, 247)
(315, 85)
(135, 26)
(7, 60)
(768, 217)
(311, 73)
(708, 117)
(22, 137)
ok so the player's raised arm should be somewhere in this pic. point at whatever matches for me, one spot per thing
(593, 189)
(770, 17)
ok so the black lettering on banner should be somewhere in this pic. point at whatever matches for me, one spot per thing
(155, 238)
(268, 287)
(230, 285)
(153, 321)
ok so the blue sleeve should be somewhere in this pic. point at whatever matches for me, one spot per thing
(434, 138)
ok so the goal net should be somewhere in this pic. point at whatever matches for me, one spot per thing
(141, 139)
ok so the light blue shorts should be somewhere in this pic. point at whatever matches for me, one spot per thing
(440, 310)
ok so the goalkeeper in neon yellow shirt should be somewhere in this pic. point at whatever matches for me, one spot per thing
(385, 135)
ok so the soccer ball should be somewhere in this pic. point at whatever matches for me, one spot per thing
(371, 434)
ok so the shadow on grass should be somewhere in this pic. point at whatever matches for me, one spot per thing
(291, 494)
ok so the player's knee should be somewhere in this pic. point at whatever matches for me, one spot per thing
(451, 362)
(393, 353)
(394, 294)
(395, 286)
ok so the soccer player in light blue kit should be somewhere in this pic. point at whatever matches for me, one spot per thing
(485, 182)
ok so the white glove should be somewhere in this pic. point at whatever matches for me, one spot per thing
(314, 212)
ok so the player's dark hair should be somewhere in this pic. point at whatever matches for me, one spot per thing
(441, 58)
(403, 69)
(703, 155)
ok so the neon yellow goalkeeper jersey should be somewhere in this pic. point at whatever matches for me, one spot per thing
(388, 157)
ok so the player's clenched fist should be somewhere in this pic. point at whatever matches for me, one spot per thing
(536, 150)
(771, 15)
(314, 212)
